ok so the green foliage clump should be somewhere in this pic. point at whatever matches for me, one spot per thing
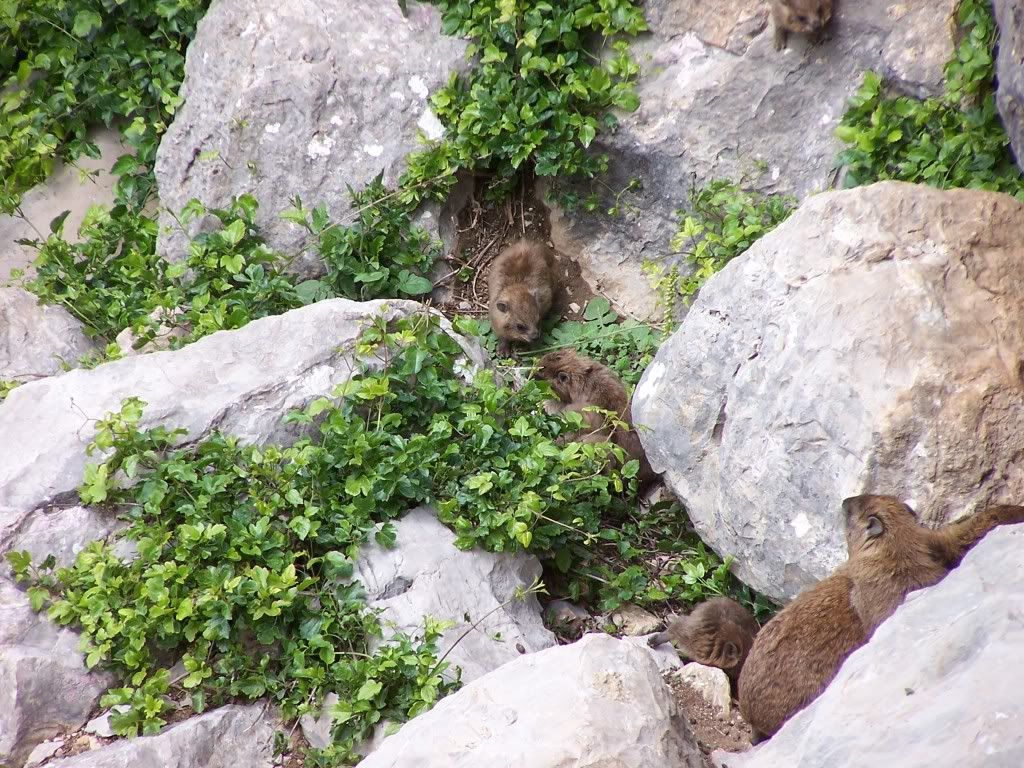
(539, 95)
(383, 253)
(724, 220)
(956, 140)
(6, 387)
(627, 347)
(68, 66)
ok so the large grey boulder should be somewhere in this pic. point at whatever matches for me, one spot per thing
(424, 574)
(35, 338)
(598, 702)
(717, 101)
(299, 97)
(872, 343)
(937, 685)
(1010, 71)
(240, 382)
(229, 737)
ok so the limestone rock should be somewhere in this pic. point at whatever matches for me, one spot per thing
(665, 655)
(44, 685)
(717, 101)
(229, 737)
(871, 344)
(1010, 71)
(241, 382)
(65, 190)
(35, 338)
(633, 620)
(426, 575)
(598, 702)
(298, 97)
(710, 682)
(938, 684)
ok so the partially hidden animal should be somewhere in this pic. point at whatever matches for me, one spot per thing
(521, 286)
(717, 633)
(582, 383)
(809, 17)
(798, 652)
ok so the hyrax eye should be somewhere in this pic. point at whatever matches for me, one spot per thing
(502, 306)
(563, 377)
(521, 328)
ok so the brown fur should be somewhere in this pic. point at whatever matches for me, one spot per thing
(521, 285)
(809, 17)
(580, 383)
(797, 653)
(718, 633)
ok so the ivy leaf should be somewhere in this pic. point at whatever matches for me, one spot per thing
(369, 690)
(86, 22)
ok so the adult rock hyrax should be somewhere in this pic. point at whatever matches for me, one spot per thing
(580, 383)
(807, 17)
(521, 284)
(797, 653)
(717, 633)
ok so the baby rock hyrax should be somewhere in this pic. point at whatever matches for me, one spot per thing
(807, 17)
(522, 285)
(580, 382)
(797, 653)
(717, 633)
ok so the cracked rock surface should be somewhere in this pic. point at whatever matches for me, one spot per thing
(297, 97)
(426, 575)
(717, 101)
(870, 344)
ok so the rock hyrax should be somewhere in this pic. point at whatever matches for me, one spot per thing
(580, 382)
(521, 284)
(717, 633)
(797, 653)
(807, 17)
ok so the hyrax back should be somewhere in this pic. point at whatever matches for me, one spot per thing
(521, 284)
(807, 17)
(797, 653)
(580, 383)
(717, 633)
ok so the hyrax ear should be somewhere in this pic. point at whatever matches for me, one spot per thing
(731, 654)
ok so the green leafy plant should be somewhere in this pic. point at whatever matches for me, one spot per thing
(724, 220)
(6, 387)
(540, 94)
(383, 253)
(956, 140)
(67, 66)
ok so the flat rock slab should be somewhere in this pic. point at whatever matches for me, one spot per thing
(424, 574)
(937, 685)
(717, 101)
(597, 703)
(871, 344)
(36, 339)
(229, 737)
(298, 97)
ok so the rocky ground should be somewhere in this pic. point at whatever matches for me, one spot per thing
(873, 341)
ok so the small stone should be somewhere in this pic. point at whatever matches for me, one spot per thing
(318, 730)
(43, 751)
(633, 620)
(711, 683)
(562, 615)
(574, 307)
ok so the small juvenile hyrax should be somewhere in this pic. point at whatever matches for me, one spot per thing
(797, 653)
(580, 382)
(808, 17)
(521, 285)
(718, 633)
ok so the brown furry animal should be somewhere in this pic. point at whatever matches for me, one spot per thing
(717, 633)
(808, 17)
(581, 382)
(521, 284)
(797, 653)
